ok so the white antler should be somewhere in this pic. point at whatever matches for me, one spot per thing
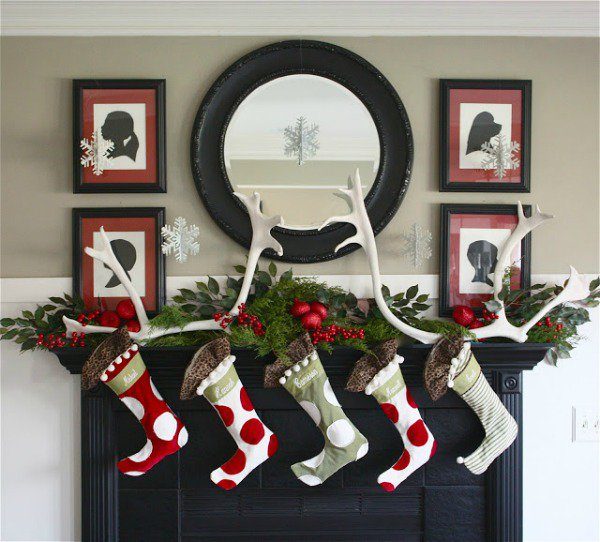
(261, 240)
(575, 290)
(365, 237)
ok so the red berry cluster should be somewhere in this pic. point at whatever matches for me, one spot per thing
(243, 319)
(549, 323)
(59, 340)
(85, 318)
(223, 319)
(489, 316)
(328, 334)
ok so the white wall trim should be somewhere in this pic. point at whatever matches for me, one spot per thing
(299, 18)
(37, 290)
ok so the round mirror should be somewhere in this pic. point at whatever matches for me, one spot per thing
(292, 121)
(295, 140)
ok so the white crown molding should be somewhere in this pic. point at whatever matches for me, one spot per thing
(299, 18)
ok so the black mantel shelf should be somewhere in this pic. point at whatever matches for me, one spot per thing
(176, 500)
(173, 360)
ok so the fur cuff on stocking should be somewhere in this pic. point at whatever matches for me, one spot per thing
(203, 362)
(369, 365)
(437, 365)
(296, 351)
(106, 352)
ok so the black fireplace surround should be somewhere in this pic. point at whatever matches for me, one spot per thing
(176, 501)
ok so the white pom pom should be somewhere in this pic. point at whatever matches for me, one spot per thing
(451, 384)
(111, 368)
(199, 390)
(126, 355)
(104, 378)
(287, 372)
(296, 368)
(118, 361)
(400, 359)
(135, 347)
(460, 460)
(282, 380)
(313, 355)
(304, 362)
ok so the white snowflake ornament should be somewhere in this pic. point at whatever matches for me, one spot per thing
(500, 156)
(95, 152)
(301, 140)
(180, 239)
(417, 245)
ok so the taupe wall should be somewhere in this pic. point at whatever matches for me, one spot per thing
(36, 140)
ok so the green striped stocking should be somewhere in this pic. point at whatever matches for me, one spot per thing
(467, 380)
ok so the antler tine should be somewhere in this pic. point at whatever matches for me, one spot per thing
(524, 226)
(262, 239)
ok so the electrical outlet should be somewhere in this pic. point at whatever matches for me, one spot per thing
(586, 424)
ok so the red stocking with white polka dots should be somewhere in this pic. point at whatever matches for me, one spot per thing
(389, 389)
(225, 392)
(128, 377)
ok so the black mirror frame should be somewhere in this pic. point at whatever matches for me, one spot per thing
(288, 58)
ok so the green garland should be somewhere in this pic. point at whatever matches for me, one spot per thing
(270, 301)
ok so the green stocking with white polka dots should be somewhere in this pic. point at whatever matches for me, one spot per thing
(307, 382)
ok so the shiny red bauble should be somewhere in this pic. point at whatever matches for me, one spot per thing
(319, 308)
(299, 308)
(126, 310)
(311, 320)
(463, 315)
(133, 326)
(109, 319)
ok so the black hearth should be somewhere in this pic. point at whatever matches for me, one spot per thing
(177, 500)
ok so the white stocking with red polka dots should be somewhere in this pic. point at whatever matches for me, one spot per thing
(128, 377)
(255, 441)
(389, 389)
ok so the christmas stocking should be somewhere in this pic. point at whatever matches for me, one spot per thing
(118, 363)
(307, 382)
(379, 375)
(452, 364)
(211, 373)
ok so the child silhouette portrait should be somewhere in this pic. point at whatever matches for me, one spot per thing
(118, 128)
(482, 256)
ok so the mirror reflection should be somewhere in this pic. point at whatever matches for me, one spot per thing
(296, 140)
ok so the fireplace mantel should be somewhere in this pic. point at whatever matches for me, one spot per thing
(176, 500)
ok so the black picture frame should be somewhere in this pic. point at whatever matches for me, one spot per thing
(524, 85)
(289, 58)
(446, 212)
(157, 213)
(160, 186)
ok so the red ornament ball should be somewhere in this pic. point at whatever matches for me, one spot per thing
(109, 319)
(126, 310)
(311, 321)
(299, 308)
(133, 326)
(319, 308)
(463, 315)
(475, 324)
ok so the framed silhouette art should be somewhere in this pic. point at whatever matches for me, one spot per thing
(471, 239)
(119, 135)
(485, 135)
(134, 235)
